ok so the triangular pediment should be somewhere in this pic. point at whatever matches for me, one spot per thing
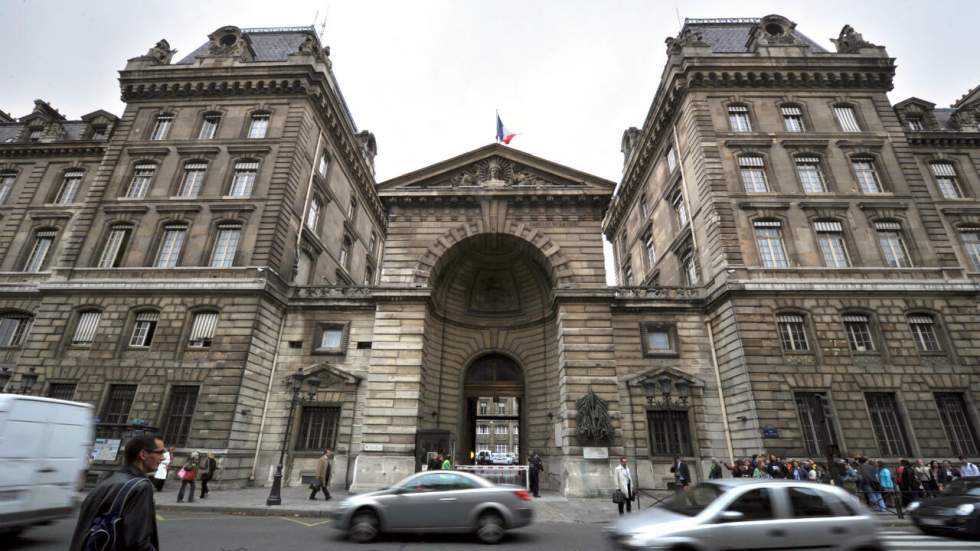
(497, 168)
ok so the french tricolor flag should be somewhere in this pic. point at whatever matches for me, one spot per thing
(503, 135)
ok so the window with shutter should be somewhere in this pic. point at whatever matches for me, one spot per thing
(202, 329)
(85, 329)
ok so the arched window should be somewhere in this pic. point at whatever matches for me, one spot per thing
(144, 328)
(811, 177)
(258, 125)
(161, 128)
(115, 246)
(345, 248)
(143, 174)
(203, 325)
(738, 118)
(769, 240)
(752, 168)
(846, 118)
(891, 242)
(226, 245)
(193, 178)
(971, 242)
(792, 332)
(37, 259)
(792, 118)
(945, 175)
(70, 183)
(243, 179)
(924, 332)
(171, 245)
(86, 327)
(866, 172)
(860, 335)
(209, 126)
(14, 328)
(833, 246)
(7, 178)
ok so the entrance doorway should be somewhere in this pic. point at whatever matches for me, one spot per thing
(492, 428)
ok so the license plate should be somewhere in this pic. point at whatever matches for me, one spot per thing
(933, 522)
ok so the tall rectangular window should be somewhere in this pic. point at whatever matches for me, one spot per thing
(144, 329)
(142, 178)
(500, 448)
(738, 118)
(304, 269)
(846, 118)
(811, 179)
(180, 413)
(258, 126)
(317, 428)
(792, 118)
(62, 391)
(753, 171)
(671, 160)
(170, 246)
(85, 329)
(945, 175)
(867, 175)
(650, 248)
(858, 327)
(644, 205)
(324, 165)
(680, 208)
(923, 327)
(13, 330)
(162, 127)
(887, 424)
(202, 329)
(830, 238)
(814, 423)
(352, 210)
(628, 272)
(691, 274)
(345, 247)
(244, 178)
(956, 421)
(190, 185)
(792, 332)
(769, 240)
(39, 251)
(69, 187)
(313, 214)
(226, 246)
(115, 247)
(6, 184)
(971, 242)
(115, 410)
(670, 434)
(892, 244)
(209, 127)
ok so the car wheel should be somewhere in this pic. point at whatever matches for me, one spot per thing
(364, 527)
(490, 528)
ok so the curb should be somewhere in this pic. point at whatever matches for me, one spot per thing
(247, 511)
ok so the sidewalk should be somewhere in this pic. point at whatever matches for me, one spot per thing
(550, 507)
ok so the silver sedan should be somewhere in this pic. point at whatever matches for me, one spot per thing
(440, 501)
(751, 514)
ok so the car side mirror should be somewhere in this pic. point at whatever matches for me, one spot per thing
(731, 516)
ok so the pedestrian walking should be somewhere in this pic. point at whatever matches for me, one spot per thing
(435, 461)
(906, 482)
(324, 470)
(968, 468)
(160, 475)
(127, 496)
(447, 465)
(920, 474)
(947, 474)
(887, 484)
(715, 472)
(187, 476)
(534, 468)
(682, 474)
(869, 484)
(624, 485)
(209, 466)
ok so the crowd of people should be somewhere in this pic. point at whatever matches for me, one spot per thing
(878, 484)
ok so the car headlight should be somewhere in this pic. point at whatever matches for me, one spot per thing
(964, 509)
(912, 506)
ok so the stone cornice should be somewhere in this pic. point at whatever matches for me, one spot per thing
(736, 71)
(79, 149)
(944, 138)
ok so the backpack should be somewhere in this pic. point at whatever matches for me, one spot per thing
(102, 535)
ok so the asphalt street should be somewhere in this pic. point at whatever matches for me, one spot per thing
(214, 532)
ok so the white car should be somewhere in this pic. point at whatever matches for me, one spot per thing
(44, 445)
(501, 459)
(750, 514)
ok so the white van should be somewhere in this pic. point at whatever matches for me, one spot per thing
(44, 446)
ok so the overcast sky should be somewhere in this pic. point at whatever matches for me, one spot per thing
(426, 76)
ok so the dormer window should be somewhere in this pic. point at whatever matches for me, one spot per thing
(99, 133)
(35, 135)
(162, 127)
(915, 124)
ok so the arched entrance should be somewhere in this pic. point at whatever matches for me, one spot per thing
(493, 390)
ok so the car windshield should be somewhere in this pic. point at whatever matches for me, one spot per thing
(962, 487)
(694, 500)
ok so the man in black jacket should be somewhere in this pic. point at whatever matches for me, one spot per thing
(682, 475)
(139, 517)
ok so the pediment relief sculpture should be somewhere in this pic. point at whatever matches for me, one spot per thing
(495, 172)
(850, 41)
(162, 53)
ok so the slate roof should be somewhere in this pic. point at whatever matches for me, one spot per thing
(730, 36)
(9, 132)
(943, 116)
(268, 44)
(74, 131)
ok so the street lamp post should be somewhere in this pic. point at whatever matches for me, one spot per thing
(295, 382)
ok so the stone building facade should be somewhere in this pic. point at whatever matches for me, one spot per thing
(800, 267)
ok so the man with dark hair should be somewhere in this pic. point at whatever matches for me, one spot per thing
(139, 525)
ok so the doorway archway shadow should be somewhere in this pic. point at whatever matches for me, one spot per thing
(493, 389)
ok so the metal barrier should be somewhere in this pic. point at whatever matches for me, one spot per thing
(500, 474)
